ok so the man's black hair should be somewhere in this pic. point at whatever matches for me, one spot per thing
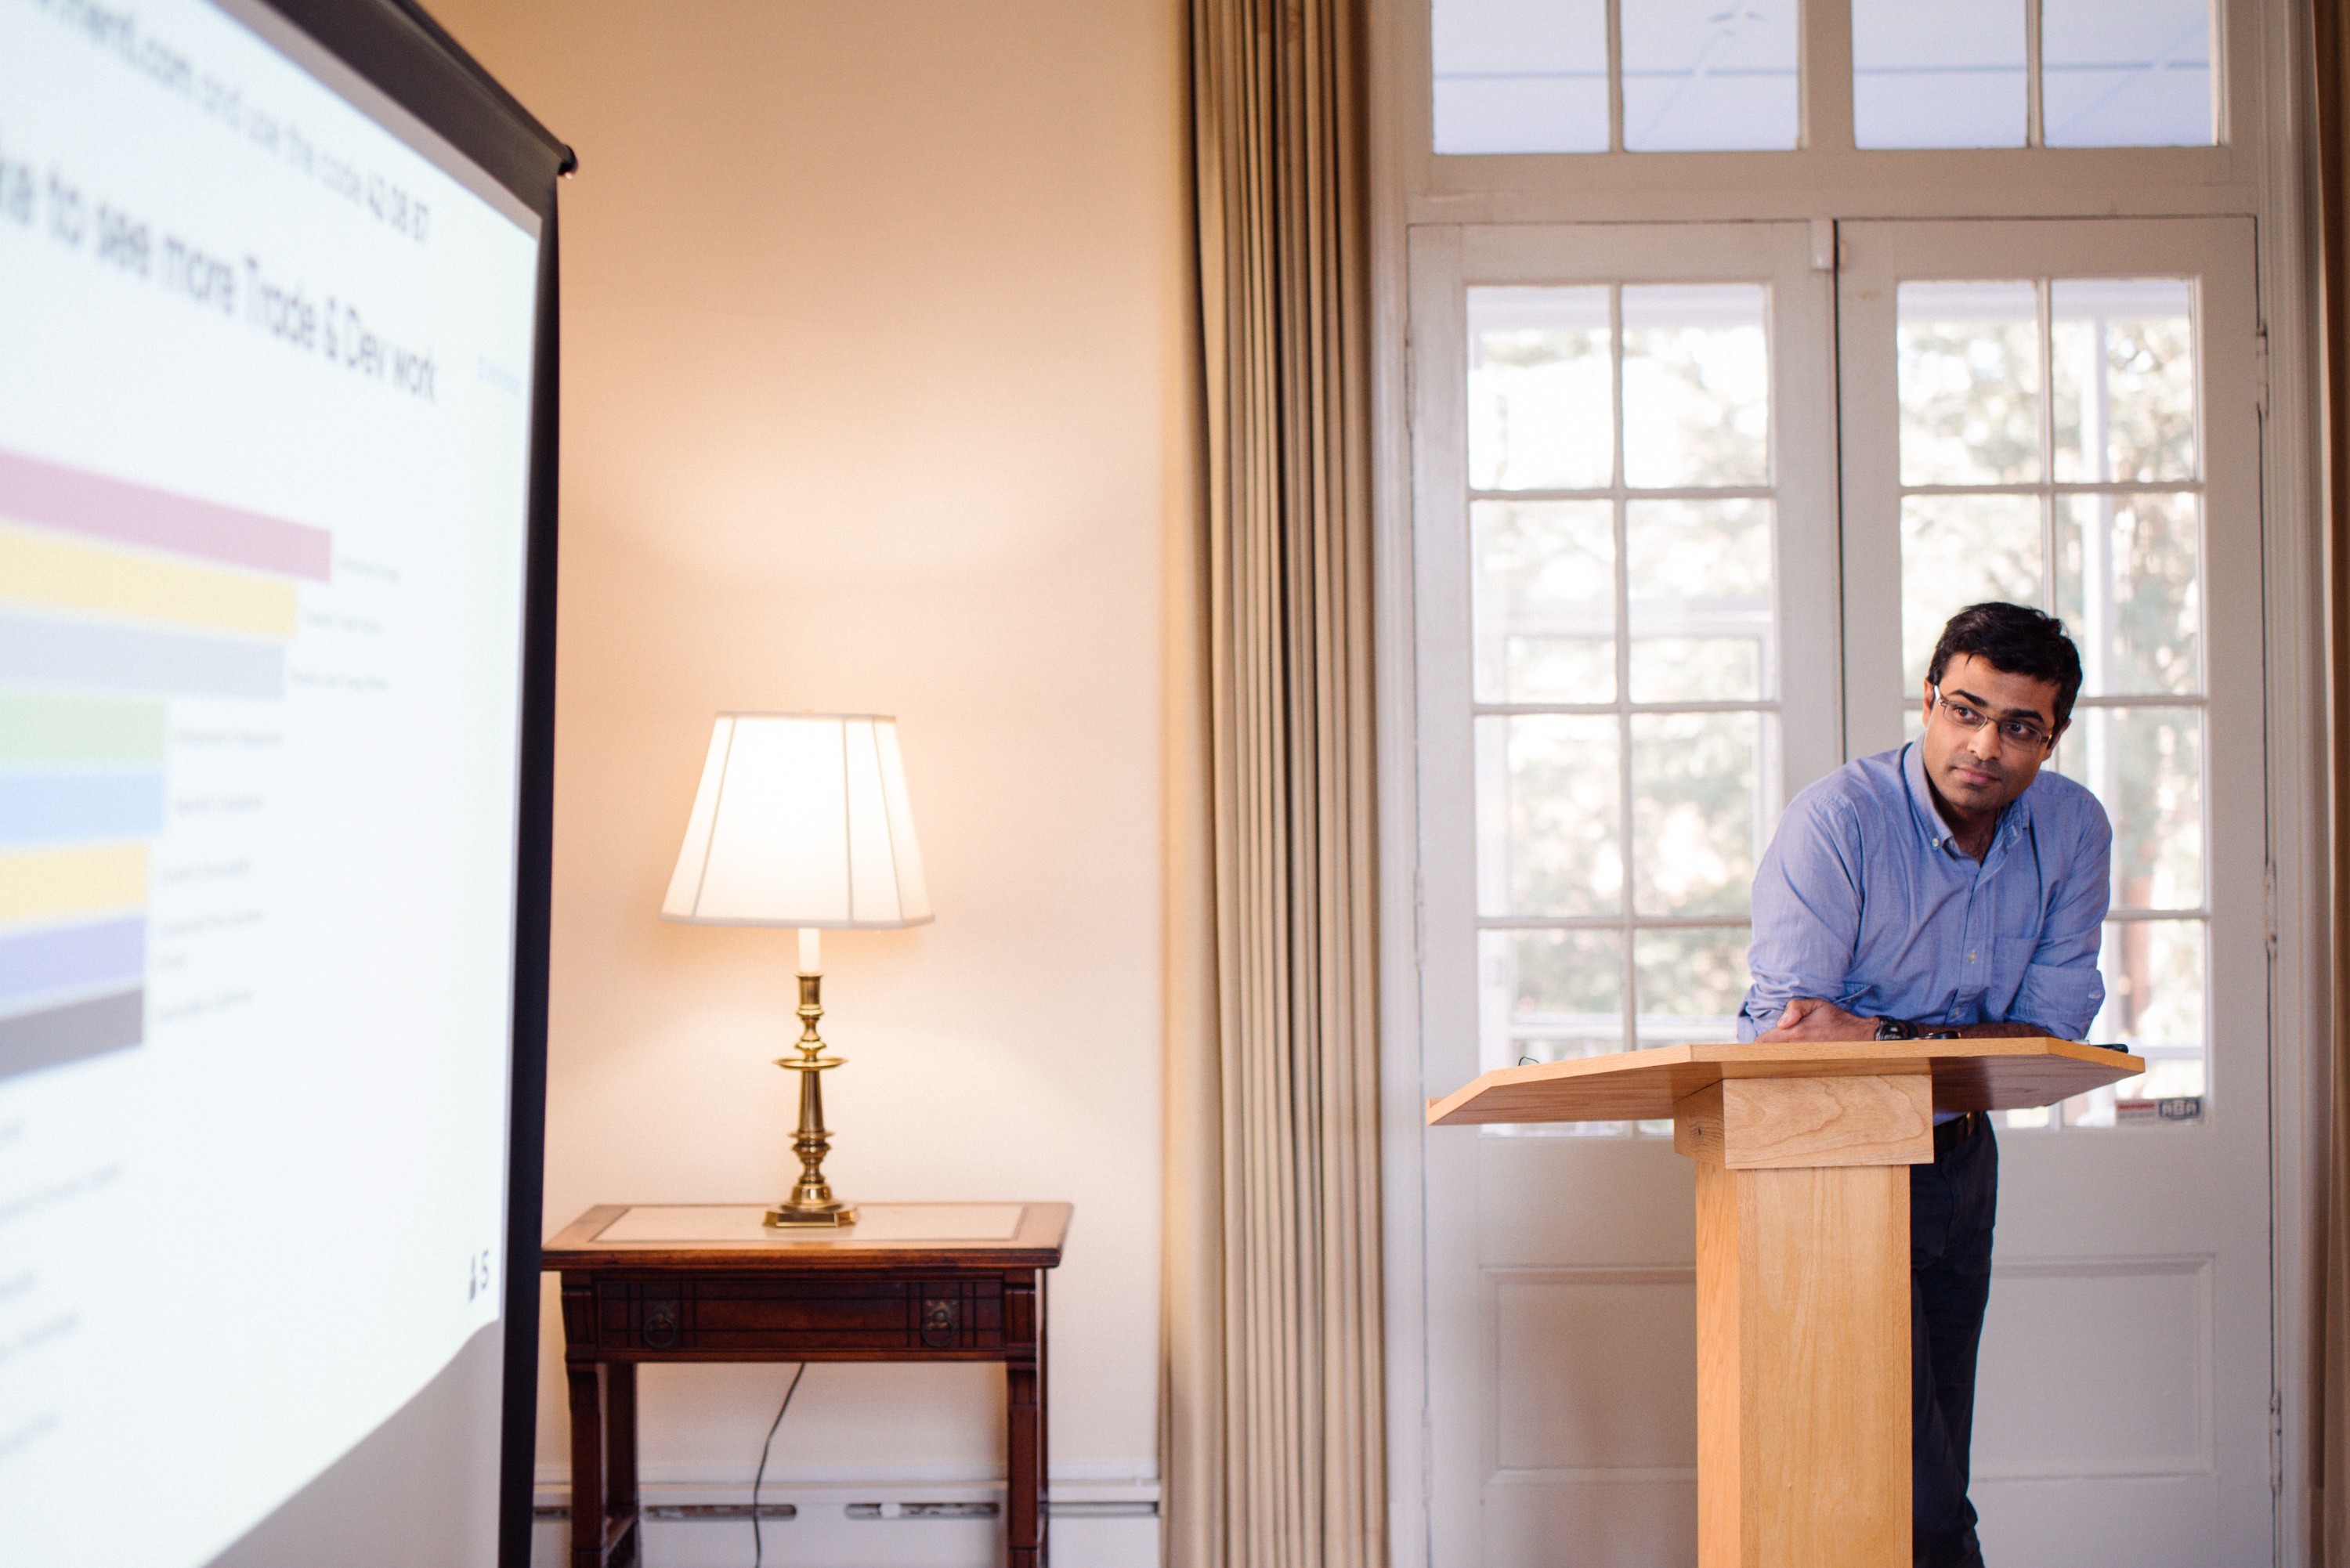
(2014, 640)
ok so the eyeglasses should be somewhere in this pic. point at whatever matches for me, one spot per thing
(2018, 732)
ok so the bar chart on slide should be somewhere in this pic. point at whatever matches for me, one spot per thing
(116, 600)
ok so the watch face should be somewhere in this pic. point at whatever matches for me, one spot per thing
(1896, 1029)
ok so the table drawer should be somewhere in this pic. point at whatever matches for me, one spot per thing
(835, 1313)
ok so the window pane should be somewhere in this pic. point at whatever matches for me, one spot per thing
(1701, 600)
(1691, 983)
(1958, 550)
(1521, 76)
(1545, 600)
(2122, 375)
(2129, 589)
(1699, 76)
(1549, 834)
(1541, 409)
(1697, 386)
(1925, 73)
(2154, 1006)
(1551, 995)
(2125, 73)
(1693, 812)
(1969, 367)
(2147, 766)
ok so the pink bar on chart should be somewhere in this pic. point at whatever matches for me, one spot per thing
(53, 496)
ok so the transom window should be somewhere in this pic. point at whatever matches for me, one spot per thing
(1658, 75)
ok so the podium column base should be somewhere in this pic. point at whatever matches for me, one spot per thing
(1803, 1300)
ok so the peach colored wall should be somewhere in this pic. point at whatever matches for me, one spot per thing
(874, 398)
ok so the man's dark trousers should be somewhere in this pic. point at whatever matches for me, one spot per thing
(1953, 1205)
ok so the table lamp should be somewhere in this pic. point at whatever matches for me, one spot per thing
(801, 820)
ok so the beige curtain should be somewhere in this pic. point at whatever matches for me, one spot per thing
(1274, 1450)
(2332, 1446)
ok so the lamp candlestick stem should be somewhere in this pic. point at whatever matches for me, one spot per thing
(811, 1202)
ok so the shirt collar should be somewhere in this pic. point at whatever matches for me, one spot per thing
(1928, 817)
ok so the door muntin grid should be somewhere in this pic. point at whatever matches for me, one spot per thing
(1623, 543)
(2051, 454)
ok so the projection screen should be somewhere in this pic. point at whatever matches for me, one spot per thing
(276, 294)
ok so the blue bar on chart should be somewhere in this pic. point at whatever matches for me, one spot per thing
(80, 805)
(92, 955)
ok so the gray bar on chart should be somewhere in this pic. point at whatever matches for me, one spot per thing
(55, 1035)
(41, 650)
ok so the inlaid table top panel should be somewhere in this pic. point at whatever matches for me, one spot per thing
(732, 1238)
(1638, 1086)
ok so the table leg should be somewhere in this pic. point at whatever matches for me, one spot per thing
(1044, 1432)
(586, 1465)
(1024, 1492)
(620, 1459)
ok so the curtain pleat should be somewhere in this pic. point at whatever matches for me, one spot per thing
(1274, 1443)
(2332, 1453)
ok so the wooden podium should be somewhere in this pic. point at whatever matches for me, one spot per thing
(1803, 1257)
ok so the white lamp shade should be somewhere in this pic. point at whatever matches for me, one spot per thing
(801, 820)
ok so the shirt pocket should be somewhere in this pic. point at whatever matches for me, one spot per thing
(2010, 957)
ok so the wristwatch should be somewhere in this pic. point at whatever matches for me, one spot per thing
(1896, 1029)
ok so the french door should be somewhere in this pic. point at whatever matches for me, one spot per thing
(1625, 526)
(2066, 414)
(1652, 601)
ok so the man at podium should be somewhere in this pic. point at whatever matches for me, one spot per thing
(1944, 888)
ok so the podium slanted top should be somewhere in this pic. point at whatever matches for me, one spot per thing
(1642, 1085)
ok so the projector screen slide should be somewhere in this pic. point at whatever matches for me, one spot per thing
(266, 354)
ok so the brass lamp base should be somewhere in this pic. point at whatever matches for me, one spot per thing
(823, 1215)
(811, 1205)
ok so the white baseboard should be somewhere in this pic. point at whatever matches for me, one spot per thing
(913, 1516)
(1126, 1477)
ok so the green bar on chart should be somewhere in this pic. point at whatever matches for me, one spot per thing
(80, 730)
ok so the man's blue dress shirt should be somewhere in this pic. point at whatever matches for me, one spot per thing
(1866, 899)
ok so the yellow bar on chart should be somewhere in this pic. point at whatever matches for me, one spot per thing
(58, 884)
(47, 571)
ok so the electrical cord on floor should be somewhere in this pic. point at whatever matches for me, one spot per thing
(758, 1542)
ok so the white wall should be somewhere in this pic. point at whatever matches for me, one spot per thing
(876, 397)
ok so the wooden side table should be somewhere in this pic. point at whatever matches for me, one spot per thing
(910, 1282)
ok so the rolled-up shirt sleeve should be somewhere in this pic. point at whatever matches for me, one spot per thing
(1807, 910)
(2062, 989)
